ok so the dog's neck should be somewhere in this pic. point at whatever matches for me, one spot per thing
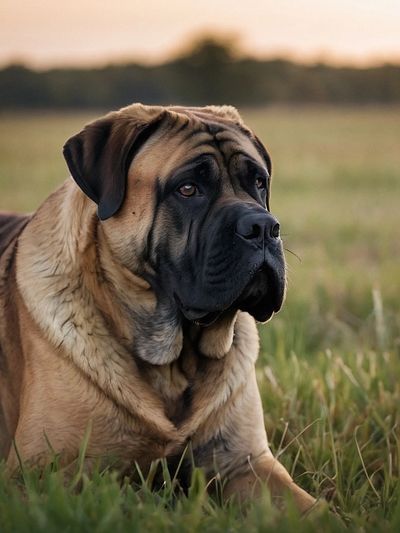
(148, 326)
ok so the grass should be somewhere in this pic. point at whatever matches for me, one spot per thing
(329, 367)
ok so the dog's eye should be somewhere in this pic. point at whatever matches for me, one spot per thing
(189, 189)
(260, 183)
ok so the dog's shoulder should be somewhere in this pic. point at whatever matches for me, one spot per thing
(11, 225)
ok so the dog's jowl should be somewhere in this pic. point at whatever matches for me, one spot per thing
(128, 301)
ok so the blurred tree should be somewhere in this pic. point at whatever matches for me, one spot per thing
(209, 71)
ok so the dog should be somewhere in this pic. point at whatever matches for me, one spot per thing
(129, 301)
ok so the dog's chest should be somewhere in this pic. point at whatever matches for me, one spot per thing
(175, 383)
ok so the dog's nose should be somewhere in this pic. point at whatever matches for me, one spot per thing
(258, 227)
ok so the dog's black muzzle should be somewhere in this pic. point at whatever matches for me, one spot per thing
(239, 265)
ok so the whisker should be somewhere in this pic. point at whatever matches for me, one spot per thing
(293, 253)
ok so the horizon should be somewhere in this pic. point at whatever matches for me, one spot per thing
(187, 47)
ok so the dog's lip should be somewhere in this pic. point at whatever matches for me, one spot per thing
(209, 318)
(262, 304)
(200, 317)
(206, 318)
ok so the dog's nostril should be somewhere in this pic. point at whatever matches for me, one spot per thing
(255, 232)
(275, 231)
(249, 231)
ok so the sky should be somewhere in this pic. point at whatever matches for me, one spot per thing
(45, 33)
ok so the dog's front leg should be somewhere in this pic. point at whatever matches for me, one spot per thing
(240, 453)
(267, 470)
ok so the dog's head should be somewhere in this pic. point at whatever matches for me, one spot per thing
(183, 196)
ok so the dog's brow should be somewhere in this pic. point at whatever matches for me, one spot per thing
(247, 156)
(191, 164)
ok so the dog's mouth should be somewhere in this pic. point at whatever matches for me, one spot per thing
(198, 316)
(208, 319)
(261, 297)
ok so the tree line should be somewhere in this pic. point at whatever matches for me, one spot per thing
(209, 72)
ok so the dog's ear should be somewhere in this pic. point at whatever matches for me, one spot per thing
(99, 157)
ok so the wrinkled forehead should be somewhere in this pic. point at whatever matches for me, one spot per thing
(183, 138)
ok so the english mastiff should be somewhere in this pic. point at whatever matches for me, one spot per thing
(129, 301)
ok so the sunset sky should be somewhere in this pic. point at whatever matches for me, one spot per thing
(45, 33)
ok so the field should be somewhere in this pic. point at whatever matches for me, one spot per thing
(329, 370)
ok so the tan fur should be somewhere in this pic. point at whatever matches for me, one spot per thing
(69, 345)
